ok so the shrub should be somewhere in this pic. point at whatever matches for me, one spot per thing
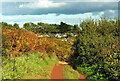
(97, 50)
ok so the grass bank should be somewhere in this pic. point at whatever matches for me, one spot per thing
(70, 73)
(31, 66)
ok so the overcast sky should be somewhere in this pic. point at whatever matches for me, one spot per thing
(55, 11)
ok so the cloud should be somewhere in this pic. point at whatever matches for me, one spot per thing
(17, 0)
(56, 19)
(0, 17)
(11, 22)
(24, 8)
(101, 13)
(112, 11)
(49, 18)
(42, 4)
(61, 0)
(107, 13)
(91, 0)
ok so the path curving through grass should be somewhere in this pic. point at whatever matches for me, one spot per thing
(58, 72)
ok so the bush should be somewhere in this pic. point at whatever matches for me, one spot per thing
(69, 35)
(97, 50)
(19, 41)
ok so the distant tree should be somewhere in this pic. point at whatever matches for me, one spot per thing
(27, 26)
(10, 25)
(63, 27)
(76, 29)
(40, 23)
(16, 25)
(4, 24)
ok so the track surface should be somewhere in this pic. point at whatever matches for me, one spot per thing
(57, 72)
(82, 76)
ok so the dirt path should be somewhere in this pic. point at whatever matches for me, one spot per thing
(57, 72)
(82, 76)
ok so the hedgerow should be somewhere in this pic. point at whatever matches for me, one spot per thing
(97, 49)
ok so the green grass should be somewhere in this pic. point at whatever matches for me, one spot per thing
(28, 67)
(70, 73)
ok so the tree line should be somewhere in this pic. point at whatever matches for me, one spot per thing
(46, 28)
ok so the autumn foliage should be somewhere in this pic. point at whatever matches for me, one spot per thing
(20, 41)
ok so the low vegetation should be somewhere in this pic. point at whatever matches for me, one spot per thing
(31, 66)
(19, 41)
(70, 73)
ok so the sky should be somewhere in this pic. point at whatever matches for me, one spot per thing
(54, 11)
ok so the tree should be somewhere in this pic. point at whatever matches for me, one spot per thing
(16, 25)
(27, 26)
(76, 29)
(10, 25)
(4, 24)
(63, 27)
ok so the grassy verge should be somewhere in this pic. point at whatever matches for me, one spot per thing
(70, 73)
(31, 66)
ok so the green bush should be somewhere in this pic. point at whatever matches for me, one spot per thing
(97, 49)
(69, 35)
